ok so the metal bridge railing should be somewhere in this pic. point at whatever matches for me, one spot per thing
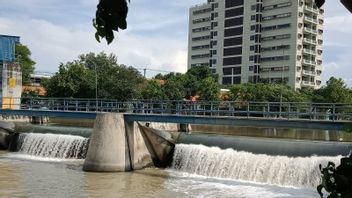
(273, 110)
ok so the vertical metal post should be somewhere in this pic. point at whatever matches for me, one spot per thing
(333, 112)
(76, 105)
(268, 109)
(247, 109)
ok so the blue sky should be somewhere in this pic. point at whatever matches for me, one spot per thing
(59, 30)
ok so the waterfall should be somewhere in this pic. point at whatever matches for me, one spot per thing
(53, 145)
(232, 164)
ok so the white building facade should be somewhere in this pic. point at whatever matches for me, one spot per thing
(252, 41)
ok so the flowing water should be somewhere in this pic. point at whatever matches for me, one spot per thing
(274, 170)
(48, 165)
(53, 146)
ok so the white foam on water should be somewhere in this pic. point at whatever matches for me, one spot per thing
(41, 146)
(297, 172)
(201, 186)
(20, 156)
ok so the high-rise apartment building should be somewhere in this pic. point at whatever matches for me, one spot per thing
(251, 41)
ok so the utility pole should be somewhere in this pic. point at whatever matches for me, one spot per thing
(96, 84)
(282, 75)
(145, 71)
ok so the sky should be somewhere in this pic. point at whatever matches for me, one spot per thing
(57, 31)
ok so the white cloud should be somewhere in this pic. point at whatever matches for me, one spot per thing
(59, 30)
(51, 44)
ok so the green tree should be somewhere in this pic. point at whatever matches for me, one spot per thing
(174, 87)
(209, 89)
(72, 80)
(194, 77)
(153, 91)
(114, 81)
(335, 91)
(265, 93)
(23, 56)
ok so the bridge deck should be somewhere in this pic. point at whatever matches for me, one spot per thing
(193, 119)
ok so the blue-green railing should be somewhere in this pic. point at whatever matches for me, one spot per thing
(273, 110)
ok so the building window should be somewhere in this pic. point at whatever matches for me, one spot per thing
(232, 3)
(285, 15)
(237, 80)
(233, 41)
(233, 31)
(232, 51)
(277, 37)
(227, 80)
(200, 56)
(236, 70)
(201, 11)
(227, 71)
(234, 12)
(234, 22)
(232, 61)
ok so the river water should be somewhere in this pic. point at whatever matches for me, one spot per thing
(24, 175)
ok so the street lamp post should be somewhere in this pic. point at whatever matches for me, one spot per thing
(96, 84)
(96, 87)
(282, 75)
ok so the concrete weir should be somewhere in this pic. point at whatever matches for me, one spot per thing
(108, 148)
(117, 146)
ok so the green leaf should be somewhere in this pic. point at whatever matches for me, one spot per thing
(319, 189)
(97, 37)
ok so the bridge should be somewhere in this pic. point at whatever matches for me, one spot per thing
(326, 116)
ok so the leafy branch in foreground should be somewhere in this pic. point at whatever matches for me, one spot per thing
(337, 181)
(110, 16)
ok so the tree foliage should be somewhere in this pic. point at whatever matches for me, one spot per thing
(265, 93)
(23, 56)
(153, 90)
(335, 91)
(209, 89)
(198, 81)
(337, 181)
(77, 79)
(72, 80)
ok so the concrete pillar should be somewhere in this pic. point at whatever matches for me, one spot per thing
(108, 148)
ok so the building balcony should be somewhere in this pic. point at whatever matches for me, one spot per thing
(310, 19)
(308, 72)
(309, 62)
(309, 41)
(310, 30)
(311, 9)
(308, 83)
(309, 52)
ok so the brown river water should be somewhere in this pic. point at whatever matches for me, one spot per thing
(29, 176)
